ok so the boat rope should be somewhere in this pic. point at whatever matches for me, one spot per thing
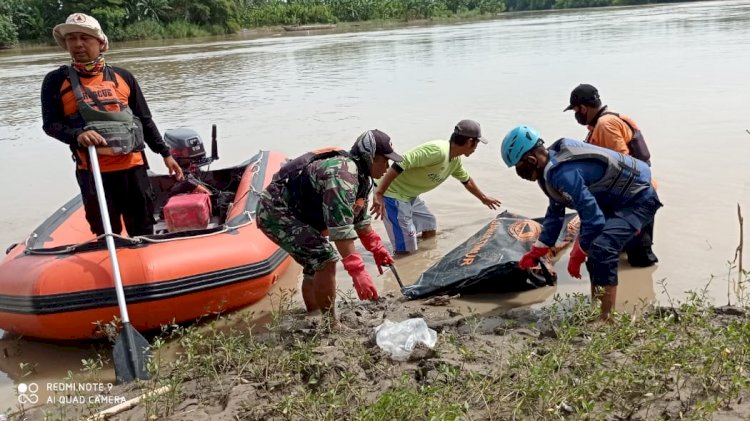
(225, 229)
(250, 215)
(72, 248)
(137, 240)
(250, 189)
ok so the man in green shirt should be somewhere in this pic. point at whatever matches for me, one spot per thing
(422, 169)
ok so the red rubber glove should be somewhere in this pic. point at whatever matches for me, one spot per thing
(355, 267)
(577, 257)
(531, 258)
(374, 244)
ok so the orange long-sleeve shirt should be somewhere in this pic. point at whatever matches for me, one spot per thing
(61, 120)
(612, 132)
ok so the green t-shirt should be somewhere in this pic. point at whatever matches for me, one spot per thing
(425, 167)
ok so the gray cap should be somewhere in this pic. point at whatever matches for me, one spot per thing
(469, 128)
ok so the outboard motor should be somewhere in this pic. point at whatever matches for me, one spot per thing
(186, 147)
(190, 202)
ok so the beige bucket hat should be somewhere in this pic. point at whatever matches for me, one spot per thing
(79, 22)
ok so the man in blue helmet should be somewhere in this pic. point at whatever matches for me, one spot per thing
(611, 192)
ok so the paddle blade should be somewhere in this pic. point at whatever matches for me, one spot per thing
(131, 355)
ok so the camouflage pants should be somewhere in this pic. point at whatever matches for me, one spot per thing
(305, 244)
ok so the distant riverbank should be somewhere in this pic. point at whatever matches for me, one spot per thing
(26, 21)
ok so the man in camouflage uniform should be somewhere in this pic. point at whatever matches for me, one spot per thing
(323, 193)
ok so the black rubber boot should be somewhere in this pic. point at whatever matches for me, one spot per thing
(642, 257)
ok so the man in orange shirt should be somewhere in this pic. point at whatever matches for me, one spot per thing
(90, 102)
(619, 133)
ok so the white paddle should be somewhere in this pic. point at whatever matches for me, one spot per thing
(131, 353)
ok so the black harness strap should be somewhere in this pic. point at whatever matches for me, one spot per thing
(78, 89)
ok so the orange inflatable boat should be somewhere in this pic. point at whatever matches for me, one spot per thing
(59, 284)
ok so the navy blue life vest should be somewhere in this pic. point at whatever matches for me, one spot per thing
(623, 179)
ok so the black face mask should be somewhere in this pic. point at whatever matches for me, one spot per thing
(581, 118)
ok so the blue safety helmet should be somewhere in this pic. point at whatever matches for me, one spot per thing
(516, 143)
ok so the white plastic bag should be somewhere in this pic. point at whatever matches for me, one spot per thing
(399, 339)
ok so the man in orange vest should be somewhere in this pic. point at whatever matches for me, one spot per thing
(619, 133)
(90, 102)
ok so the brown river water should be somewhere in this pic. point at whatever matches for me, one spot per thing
(677, 69)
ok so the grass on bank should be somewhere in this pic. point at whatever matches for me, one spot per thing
(685, 361)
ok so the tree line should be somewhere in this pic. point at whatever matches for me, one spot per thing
(33, 20)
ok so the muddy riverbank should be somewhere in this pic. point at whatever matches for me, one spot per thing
(682, 360)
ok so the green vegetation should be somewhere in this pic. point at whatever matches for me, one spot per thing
(687, 360)
(33, 20)
(8, 32)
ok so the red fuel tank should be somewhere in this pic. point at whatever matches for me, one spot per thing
(187, 212)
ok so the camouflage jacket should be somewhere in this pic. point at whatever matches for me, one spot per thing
(325, 196)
